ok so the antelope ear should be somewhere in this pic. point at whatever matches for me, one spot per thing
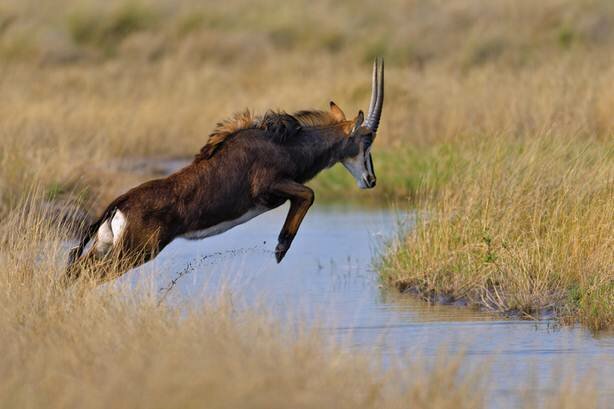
(336, 112)
(358, 121)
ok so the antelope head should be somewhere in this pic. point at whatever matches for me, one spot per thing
(361, 133)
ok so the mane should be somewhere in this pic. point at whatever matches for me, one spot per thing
(313, 118)
(279, 126)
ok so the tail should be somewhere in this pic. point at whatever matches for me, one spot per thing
(77, 251)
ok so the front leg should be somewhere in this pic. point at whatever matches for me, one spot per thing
(301, 199)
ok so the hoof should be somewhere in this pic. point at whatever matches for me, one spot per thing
(280, 252)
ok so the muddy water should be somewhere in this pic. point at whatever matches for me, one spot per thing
(327, 278)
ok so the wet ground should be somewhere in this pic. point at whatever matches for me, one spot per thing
(328, 279)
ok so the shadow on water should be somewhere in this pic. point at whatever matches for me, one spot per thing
(327, 279)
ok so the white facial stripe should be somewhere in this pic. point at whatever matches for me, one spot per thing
(361, 168)
(355, 166)
(369, 162)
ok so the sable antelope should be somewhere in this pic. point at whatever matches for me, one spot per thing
(249, 165)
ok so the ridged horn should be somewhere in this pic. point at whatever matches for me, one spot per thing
(377, 96)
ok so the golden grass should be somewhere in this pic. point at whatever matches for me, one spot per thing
(474, 88)
(118, 346)
(497, 122)
(523, 227)
(85, 82)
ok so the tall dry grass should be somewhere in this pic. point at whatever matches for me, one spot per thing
(498, 120)
(85, 82)
(523, 227)
(118, 346)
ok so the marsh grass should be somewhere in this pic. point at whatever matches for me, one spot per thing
(87, 346)
(523, 228)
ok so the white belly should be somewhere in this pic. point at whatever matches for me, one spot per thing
(227, 225)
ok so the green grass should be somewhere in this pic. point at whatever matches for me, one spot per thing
(403, 175)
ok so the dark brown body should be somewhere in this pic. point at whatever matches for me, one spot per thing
(254, 168)
(244, 173)
(248, 166)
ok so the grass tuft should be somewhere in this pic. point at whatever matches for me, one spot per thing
(524, 228)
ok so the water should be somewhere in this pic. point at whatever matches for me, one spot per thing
(327, 278)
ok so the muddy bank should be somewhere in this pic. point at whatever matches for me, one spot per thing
(485, 302)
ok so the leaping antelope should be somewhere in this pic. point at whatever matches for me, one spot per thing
(249, 165)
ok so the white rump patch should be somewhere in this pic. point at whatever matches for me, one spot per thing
(118, 224)
(227, 225)
(104, 239)
(109, 233)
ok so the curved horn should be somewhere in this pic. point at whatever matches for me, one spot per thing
(373, 91)
(377, 96)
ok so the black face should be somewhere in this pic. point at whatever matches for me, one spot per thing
(360, 142)
(366, 141)
(359, 162)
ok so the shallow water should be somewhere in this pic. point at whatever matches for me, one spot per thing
(328, 279)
